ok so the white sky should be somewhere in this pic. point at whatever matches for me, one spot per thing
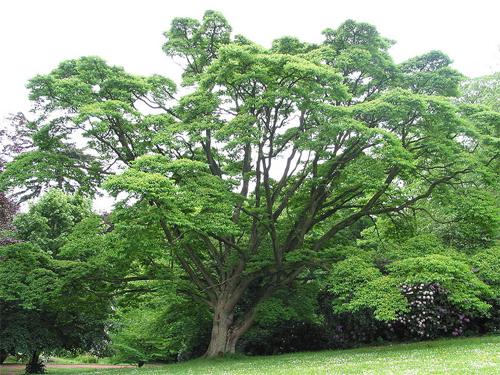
(35, 35)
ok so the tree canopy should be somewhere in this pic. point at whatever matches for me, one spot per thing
(48, 301)
(255, 176)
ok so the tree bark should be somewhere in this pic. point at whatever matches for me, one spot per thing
(224, 333)
(228, 329)
(34, 367)
(3, 356)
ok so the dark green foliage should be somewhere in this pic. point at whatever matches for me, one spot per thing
(46, 302)
(286, 336)
(35, 368)
(34, 312)
(161, 330)
(348, 330)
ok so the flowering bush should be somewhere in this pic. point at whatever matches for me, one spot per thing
(419, 297)
(430, 314)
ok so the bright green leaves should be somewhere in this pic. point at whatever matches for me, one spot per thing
(25, 276)
(198, 43)
(486, 264)
(430, 74)
(457, 277)
(272, 158)
(298, 302)
(77, 82)
(181, 193)
(259, 80)
(360, 283)
(100, 101)
(104, 104)
(291, 46)
(39, 277)
(261, 92)
(160, 328)
(50, 220)
(359, 53)
(352, 33)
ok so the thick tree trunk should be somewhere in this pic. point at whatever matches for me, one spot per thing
(224, 335)
(34, 366)
(226, 330)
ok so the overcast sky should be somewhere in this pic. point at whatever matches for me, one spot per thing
(36, 35)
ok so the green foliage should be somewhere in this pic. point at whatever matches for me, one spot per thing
(431, 74)
(159, 330)
(482, 90)
(88, 97)
(297, 303)
(457, 277)
(486, 265)
(46, 301)
(48, 223)
(358, 285)
(271, 162)
(191, 198)
(198, 42)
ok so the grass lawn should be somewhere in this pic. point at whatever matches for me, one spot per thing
(479, 355)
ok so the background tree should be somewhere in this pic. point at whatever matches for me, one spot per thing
(48, 302)
(482, 90)
(13, 141)
(253, 178)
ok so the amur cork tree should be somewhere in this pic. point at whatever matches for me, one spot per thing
(245, 183)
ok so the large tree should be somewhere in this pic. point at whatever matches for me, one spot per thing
(252, 178)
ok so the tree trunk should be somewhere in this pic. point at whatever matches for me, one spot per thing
(224, 335)
(35, 357)
(34, 366)
(226, 330)
(3, 356)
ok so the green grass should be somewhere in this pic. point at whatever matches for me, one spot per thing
(450, 356)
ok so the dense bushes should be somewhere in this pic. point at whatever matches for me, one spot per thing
(284, 337)
(156, 330)
(430, 314)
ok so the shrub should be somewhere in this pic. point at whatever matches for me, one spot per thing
(347, 329)
(430, 315)
(86, 359)
(284, 337)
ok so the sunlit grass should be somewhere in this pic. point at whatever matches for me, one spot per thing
(452, 356)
